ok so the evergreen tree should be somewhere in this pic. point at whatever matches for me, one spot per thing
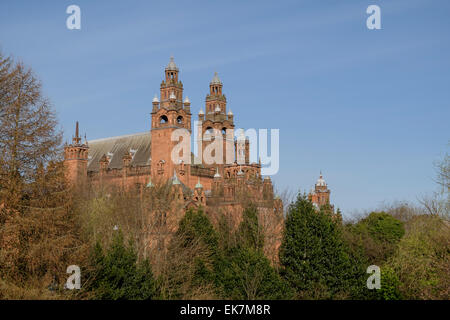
(249, 233)
(118, 275)
(313, 255)
(246, 273)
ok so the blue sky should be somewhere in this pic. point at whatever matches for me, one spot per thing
(370, 108)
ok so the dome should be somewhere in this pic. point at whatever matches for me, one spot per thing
(321, 182)
(201, 112)
(186, 100)
(230, 113)
(216, 79)
(172, 65)
(155, 99)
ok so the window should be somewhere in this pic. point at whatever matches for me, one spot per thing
(180, 119)
(163, 119)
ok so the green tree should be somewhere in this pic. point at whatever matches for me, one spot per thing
(245, 273)
(378, 233)
(313, 255)
(118, 275)
(250, 234)
(195, 225)
(422, 259)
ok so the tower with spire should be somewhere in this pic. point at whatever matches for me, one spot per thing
(320, 195)
(76, 159)
(169, 113)
(215, 121)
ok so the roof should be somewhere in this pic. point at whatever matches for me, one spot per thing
(321, 182)
(117, 147)
(172, 65)
(216, 79)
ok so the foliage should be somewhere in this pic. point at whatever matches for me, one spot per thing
(389, 285)
(249, 233)
(422, 261)
(118, 275)
(245, 273)
(378, 235)
(313, 254)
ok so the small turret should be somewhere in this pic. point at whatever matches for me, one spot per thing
(76, 158)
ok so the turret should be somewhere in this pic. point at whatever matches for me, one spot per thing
(76, 159)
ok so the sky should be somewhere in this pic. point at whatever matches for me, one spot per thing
(368, 108)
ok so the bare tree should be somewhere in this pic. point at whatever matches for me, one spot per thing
(28, 135)
(443, 173)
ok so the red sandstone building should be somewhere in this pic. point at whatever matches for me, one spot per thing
(143, 160)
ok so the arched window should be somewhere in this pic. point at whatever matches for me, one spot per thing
(163, 119)
(224, 131)
(209, 131)
(180, 119)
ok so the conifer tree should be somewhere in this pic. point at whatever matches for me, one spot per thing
(313, 254)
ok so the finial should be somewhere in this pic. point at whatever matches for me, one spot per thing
(216, 79)
(198, 185)
(149, 184)
(172, 65)
(175, 178)
(76, 139)
(217, 175)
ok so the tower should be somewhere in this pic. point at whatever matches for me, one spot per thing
(216, 122)
(75, 159)
(321, 194)
(169, 113)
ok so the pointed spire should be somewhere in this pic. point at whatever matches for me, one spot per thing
(230, 113)
(216, 79)
(76, 139)
(201, 112)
